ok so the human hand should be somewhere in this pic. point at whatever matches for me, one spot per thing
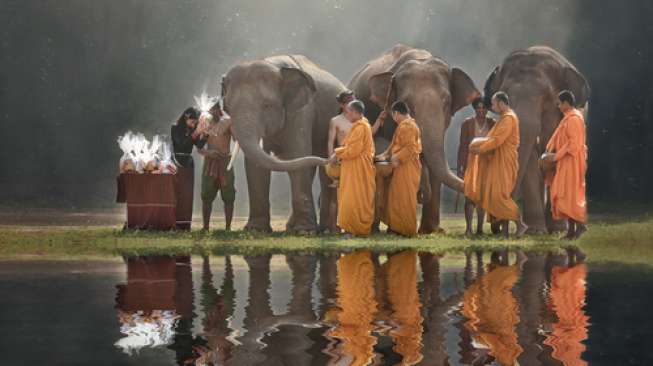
(474, 149)
(395, 161)
(332, 159)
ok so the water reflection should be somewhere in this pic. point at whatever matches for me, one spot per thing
(359, 308)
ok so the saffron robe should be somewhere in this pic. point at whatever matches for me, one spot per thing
(491, 176)
(401, 205)
(567, 184)
(357, 184)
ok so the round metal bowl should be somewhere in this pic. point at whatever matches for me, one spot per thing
(383, 168)
(546, 165)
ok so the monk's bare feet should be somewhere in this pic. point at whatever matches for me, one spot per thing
(521, 229)
(580, 230)
(347, 236)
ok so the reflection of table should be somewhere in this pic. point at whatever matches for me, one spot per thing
(151, 200)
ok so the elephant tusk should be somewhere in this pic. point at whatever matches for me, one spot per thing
(234, 153)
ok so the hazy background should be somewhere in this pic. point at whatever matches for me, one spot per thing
(75, 74)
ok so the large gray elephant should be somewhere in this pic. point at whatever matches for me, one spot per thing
(532, 78)
(287, 102)
(434, 91)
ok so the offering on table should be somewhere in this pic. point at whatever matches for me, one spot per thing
(166, 165)
(127, 161)
(142, 156)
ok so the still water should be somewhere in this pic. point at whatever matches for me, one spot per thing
(354, 308)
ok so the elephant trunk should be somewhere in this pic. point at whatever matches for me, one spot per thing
(433, 148)
(249, 143)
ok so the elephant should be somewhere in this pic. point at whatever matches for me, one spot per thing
(434, 92)
(280, 108)
(532, 78)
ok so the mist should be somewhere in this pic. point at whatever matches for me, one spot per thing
(76, 74)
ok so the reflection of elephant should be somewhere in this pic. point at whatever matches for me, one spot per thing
(533, 78)
(287, 102)
(434, 92)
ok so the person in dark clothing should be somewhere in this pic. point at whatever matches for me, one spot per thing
(184, 136)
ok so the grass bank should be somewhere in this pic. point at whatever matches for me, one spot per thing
(607, 241)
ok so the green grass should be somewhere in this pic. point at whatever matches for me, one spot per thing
(607, 241)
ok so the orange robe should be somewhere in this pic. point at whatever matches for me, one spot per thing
(357, 307)
(567, 185)
(357, 184)
(567, 298)
(401, 208)
(492, 311)
(491, 176)
(401, 272)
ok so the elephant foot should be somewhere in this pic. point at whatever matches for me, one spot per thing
(431, 230)
(258, 227)
(330, 230)
(536, 231)
(301, 228)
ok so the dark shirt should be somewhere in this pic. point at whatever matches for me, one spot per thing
(182, 145)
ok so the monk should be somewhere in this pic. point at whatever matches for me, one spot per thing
(355, 312)
(493, 311)
(477, 126)
(568, 150)
(491, 172)
(401, 206)
(357, 173)
(339, 127)
(401, 280)
(567, 298)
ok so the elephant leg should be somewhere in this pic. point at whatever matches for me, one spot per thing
(533, 196)
(258, 187)
(328, 204)
(431, 210)
(302, 218)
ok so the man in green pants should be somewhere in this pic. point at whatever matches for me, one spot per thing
(215, 176)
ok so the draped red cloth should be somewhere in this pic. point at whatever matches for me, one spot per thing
(152, 200)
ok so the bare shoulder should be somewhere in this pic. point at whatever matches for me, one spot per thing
(468, 121)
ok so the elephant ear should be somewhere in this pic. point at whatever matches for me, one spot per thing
(463, 91)
(576, 82)
(492, 83)
(381, 89)
(298, 88)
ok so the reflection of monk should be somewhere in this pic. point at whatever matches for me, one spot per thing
(567, 298)
(356, 309)
(493, 314)
(401, 271)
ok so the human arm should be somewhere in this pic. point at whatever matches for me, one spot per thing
(355, 143)
(331, 139)
(408, 140)
(573, 132)
(462, 149)
(497, 136)
(379, 122)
